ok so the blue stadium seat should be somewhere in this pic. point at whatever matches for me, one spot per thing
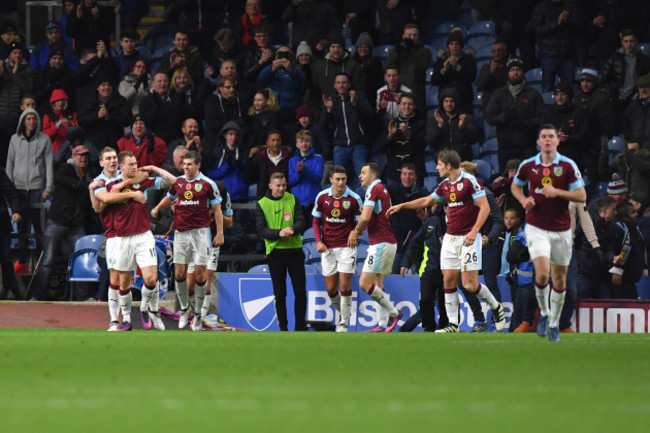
(476, 149)
(362, 251)
(615, 146)
(154, 65)
(490, 153)
(483, 170)
(259, 269)
(484, 53)
(252, 192)
(431, 167)
(310, 251)
(308, 236)
(477, 108)
(161, 51)
(549, 98)
(441, 32)
(601, 190)
(432, 99)
(381, 52)
(431, 183)
(82, 265)
(480, 34)
(534, 76)
(429, 74)
(89, 241)
(311, 269)
(644, 47)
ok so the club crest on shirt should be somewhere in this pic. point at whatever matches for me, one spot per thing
(557, 171)
(198, 187)
(460, 187)
(346, 205)
(188, 195)
(136, 186)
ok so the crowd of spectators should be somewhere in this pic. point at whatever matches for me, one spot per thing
(259, 87)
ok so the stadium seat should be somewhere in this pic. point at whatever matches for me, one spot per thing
(490, 153)
(431, 167)
(549, 98)
(252, 192)
(601, 190)
(476, 149)
(381, 52)
(483, 54)
(310, 251)
(311, 269)
(429, 74)
(82, 266)
(441, 32)
(481, 34)
(308, 236)
(432, 99)
(89, 242)
(534, 76)
(477, 106)
(259, 269)
(483, 170)
(644, 47)
(615, 146)
(362, 251)
(161, 51)
(154, 65)
(431, 183)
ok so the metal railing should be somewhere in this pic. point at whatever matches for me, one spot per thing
(51, 5)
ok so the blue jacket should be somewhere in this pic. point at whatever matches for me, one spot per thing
(288, 87)
(305, 184)
(39, 57)
(229, 168)
(349, 120)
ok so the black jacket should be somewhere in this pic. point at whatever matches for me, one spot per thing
(636, 123)
(553, 39)
(103, 132)
(488, 81)
(405, 147)
(427, 242)
(219, 111)
(70, 202)
(257, 170)
(450, 136)
(614, 71)
(347, 120)
(571, 121)
(406, 222)
(163, 115)
(459, 78)
(587, 259)
(8, 197)
(598, 111)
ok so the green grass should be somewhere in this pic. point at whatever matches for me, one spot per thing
(95, 381)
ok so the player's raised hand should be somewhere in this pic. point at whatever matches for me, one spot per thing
(393, 209)
(321, 247)
(217, 241)
(353, 239)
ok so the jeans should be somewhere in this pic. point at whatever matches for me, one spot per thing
(30, 216)
(594, 286)
(525, 304)
(55, 233)
(352, 158)
(552, 66)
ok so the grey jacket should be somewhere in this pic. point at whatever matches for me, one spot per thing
(30, 162)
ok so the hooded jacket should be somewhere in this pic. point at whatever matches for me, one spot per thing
(30, 161)
(53, 120)
(229, 164)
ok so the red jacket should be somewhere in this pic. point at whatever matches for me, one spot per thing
(145, 156)
(53, 120)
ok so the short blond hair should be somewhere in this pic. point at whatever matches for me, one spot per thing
(469, 167)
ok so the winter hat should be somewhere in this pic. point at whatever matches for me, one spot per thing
(7, 26)
(103, 77)
(336, 38)
(17, 45)
(512, 164)
(589, 73)
(643, 81)
(515, 62)
(616, 185)
(53, 26)
(303, 48)
(75, 133)
(456, 35)
(137, 118)
(80, 150)
(365, 39)
(304, 110)
(564, 87)
(54, 51)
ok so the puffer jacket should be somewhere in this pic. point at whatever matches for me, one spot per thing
(636, 123)
(53, 120)
(349, 120)
(305, 184)
(287, 86)
(30, 161)
(405, 147)
(614, 71)
(554, 40)
(12, 87)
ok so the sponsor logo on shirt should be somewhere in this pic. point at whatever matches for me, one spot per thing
(188, 195)
(336, 212)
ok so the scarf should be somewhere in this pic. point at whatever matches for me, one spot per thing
(515, 89)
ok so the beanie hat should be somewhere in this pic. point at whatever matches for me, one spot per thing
(55, 50)
(53, 26)
(336, 38)
(616, 185)
(304, 110)
(515, 62)
(588, 73)
(17, 45)
(7, 26)
(303, 48)
(643, 81)
(75, 133)
(365, 39)
(137, 118)
(103, 77)
(456, 35)
(564, 87)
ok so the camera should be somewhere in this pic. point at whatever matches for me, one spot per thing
(283, 55)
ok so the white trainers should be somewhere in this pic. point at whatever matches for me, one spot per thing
(341, 327)
(113, 326)
(499, 318)
(451, 328)
(156, 320)
(182, 320)
(197, 323)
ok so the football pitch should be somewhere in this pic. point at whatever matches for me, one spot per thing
(145, 381)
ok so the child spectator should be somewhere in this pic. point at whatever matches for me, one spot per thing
(58, 119)
(262, 163)
(305, 171)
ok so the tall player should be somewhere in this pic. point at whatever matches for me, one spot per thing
(553, 181)
(199, 198)
(460, 254)
(101, 200)
(383, 245)
(336, 212)
(134, 244)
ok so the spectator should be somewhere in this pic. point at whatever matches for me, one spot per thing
(404, 142)
(359, 17)
(55, 75)
(493, 74)
(282, 237)
(633, 166)
(225, 47)
(8, 198)
(501, 187)
(8, 36)
(183, 89)
(636, 118)
(89, 24)
(136, 85)
(407, 222)
(305, 121)
(305, 172)
(510, 18)
(263, 116)
(131, 12)
(163, 223)
(221, 107)
(16, 80)
(201, 18)
(191, 140)
(129, 53)
(593, 267)
(261, 164)
(555, 24)
(69, 7)
(570, 123)
(30, 168)
(58, 118)
(258, 56)
(182, 55)
(609, 18)
(413, 59)
(597, 110)
(230, 156)
(617, 189)
(93, 62)
(456, 69)
(161, 110)
(69, 216)
(347, 110)
(287, 82)
(75, 136)
(516, 109)
(53, 42)
(143, 143)
(338, 60)
(306, 62)
(451, 128)
(251, 18)
(104, 115)
(371, 66)
(388, 96)
(623, 68)
(312, 21)
(629, 249)
(228, 69)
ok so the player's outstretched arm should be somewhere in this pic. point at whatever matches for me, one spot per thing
(218, 219)
(164, 204)
(422, 202)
